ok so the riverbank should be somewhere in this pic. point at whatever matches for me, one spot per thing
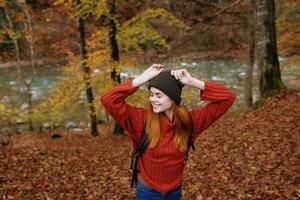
(38, 63)
(252, 154)
(203, 55)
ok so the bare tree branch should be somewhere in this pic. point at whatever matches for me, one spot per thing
(216, 14)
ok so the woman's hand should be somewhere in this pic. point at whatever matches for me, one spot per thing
(186, 79)
(152, 71)
(148, 74)
(183, 76)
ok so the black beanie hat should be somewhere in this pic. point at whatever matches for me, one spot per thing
(168, 85)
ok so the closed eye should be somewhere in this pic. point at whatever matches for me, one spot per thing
(157, 95)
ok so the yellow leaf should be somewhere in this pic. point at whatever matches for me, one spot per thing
(2, 107)
(2, 3)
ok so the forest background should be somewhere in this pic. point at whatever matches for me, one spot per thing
(43, 37)
(58, 57)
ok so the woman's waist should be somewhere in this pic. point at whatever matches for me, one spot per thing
(145, 184)
(163, 171)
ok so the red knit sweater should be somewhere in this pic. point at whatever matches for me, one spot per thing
(162, 167)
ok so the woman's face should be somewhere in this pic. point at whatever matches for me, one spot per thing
(160, 101)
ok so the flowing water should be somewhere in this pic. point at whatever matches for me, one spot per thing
(228, 72)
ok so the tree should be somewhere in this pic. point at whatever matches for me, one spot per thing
(251, 55)
(266, 48)
(114, 51)
(28, 33)
(112, 38)
(103, 44)
(13, 34)
(87, 76)
(79, 11)
(31, 39)
(137, 33)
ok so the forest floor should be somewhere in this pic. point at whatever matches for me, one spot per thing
(252, 154)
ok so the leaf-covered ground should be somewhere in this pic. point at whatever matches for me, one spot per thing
(246, 155)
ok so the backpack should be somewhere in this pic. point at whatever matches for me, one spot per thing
(141, 148)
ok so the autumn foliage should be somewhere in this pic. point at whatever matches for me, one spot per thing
(252, 154)
(249, 155)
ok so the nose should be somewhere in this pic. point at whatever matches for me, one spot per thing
(153, 99)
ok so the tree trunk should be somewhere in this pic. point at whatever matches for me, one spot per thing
(20, 78)
(251, 56)
(33, 65)
(31, 38)
(267, 58)
(16, 46)
(114, 52)
(112, 39)
(29, 97)
(87, 76)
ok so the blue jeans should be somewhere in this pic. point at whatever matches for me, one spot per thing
(145, 193)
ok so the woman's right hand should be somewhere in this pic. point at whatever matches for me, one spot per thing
(148, 74)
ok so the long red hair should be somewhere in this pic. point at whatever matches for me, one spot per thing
(183, 124)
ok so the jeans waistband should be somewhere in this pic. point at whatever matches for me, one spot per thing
(148, 186)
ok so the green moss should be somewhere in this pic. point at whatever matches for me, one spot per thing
(258, 104)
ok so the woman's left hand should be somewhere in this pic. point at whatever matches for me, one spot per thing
(183, 76)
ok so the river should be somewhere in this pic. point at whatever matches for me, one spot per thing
(229, 72)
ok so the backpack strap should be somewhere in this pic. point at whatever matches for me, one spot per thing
(190, 144)
(140, 149)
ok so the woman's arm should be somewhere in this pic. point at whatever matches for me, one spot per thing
(130, 118)
(220, 99)
(148, 74)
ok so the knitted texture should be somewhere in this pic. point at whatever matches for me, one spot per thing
(168, 85)
(162, 167)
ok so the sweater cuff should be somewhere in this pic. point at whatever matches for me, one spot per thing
(214, 91)
(127, 85)
(206, 87)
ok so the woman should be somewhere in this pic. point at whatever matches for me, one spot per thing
(167, 125)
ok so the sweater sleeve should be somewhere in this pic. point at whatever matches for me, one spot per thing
(220, 100)
(130, 118)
